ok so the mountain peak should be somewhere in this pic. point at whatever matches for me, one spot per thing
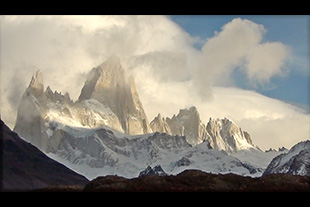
(36, 86)
(190, 111)
(48, 92)
(157, 170)
(193, 108)
(109, 85)
(104, 77)
(191, 115)
(37, 78)
(158, 116)
(160, 125)
(187, 123)
(226, 135)
(113, 65)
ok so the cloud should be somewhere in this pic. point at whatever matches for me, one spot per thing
(163, 65)
(239, 45)
(64, 45)
(169, 71)
(266, 61)
(65, 48)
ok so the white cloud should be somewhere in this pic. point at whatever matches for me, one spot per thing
(239, 45)
(170, 73)
(265, 61)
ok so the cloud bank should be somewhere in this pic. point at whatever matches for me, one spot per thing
(270, 122)
(170, 73)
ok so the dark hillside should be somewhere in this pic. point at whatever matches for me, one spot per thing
(25, 167)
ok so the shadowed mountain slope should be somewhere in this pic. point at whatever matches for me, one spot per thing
(25, 167)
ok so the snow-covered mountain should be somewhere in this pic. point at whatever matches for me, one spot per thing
(296, 161)
(106, 131)
(102, 151)
(226, 135)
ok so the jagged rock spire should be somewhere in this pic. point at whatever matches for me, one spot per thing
(109, 84)
(186, 123)
(30, 111)
(36, 86)
(160, 125)
(226, 135)
(106, 76)
(221, 134)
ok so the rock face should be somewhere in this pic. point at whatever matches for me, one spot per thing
(159, 124)
(108, 84)
(25, 167)
(187, 123)
(226, 135)
(296, 161)
(31, 111)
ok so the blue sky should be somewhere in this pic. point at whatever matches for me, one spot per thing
(293, 31)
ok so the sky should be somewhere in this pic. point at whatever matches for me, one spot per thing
(251, 69)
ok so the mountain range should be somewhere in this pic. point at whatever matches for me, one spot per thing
(106, 131)
(26, 168)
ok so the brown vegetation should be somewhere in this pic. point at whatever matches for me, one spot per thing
(198, 181)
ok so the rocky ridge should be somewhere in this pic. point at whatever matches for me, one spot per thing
(222, 134)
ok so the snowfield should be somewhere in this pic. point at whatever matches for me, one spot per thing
(127, 156)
